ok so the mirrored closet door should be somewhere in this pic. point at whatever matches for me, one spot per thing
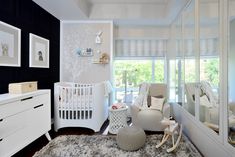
(231, 73)
(179, 60)
(209, 64)
(189, 57)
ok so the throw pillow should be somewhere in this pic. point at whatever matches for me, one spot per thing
(157, 103)
(149, 99)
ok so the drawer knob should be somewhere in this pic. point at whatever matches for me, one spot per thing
(1, 139)
(1, 120)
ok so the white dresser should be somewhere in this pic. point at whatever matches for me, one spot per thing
(23, 119)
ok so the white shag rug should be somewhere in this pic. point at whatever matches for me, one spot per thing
(106, 146)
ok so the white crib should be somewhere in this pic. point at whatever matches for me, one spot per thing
(80, 105)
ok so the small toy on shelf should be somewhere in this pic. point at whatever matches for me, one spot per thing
(103, 59)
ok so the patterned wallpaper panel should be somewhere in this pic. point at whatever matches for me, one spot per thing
(81, 36)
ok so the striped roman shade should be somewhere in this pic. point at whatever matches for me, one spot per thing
(208, 47)
(140, 47)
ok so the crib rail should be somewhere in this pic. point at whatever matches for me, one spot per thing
(75, 101)
(80, 105)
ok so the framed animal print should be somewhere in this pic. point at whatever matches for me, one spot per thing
(38, 51)
(10, 45)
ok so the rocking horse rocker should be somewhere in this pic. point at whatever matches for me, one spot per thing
(172, 129)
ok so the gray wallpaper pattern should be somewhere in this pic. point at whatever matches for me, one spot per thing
(75, 68)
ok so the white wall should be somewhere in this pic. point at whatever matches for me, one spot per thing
(81, 34)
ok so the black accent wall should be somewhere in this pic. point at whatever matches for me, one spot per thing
(31, 18)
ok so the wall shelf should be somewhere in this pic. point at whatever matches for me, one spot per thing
(99, 62)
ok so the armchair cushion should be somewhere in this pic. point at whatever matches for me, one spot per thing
(149, 99)
(157, 103)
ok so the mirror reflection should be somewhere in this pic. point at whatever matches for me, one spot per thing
(178, 60)
(231, 74)
(209, 64)
(189, 58)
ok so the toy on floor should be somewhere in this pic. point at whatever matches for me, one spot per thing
(172, 129)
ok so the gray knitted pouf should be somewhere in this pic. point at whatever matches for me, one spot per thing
(131, 138)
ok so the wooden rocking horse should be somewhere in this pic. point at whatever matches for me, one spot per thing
(172, 129)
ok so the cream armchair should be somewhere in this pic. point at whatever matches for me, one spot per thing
(150, 119)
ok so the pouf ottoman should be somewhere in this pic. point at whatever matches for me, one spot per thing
(131, 138)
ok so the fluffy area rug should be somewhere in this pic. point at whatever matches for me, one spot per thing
(106, 146)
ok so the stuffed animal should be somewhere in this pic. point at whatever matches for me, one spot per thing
(104, 58)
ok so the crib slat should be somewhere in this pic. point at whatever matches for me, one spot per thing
(67, 103)
(60, 101)
(76, 103)
(84, 102)
(70, 101)
(88, 104)
(91, 101)
(80, 102)
(72, 105)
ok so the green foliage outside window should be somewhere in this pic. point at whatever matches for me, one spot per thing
(159, 71)
(211, 71)
(137, 71)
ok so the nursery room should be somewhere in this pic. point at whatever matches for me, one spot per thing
(117, 78)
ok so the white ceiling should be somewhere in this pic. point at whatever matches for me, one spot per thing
(122, 12)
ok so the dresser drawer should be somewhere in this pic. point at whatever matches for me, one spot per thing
(14, 123)
(14, 142)
(41, 115)
(23, 119)
(21, 105)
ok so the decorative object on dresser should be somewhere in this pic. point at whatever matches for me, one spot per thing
(81, 105)
(38, 51)
(10, 48)
(22, 87)
(23, 119)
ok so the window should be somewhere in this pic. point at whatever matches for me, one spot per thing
(128, 74)
(209, 71)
